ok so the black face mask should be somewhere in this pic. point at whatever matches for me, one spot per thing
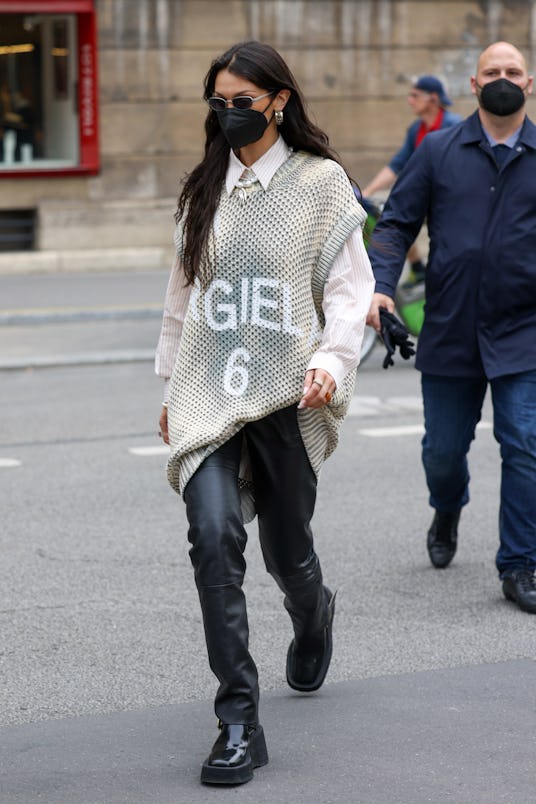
(242, 126)
(501, 97)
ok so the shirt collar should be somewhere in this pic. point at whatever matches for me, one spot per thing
(264, 168)
(472, 131)
(510, 142)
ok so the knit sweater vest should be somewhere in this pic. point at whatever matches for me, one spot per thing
(248, 337)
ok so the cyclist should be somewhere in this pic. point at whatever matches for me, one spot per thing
(428, 100)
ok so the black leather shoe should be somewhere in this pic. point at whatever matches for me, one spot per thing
(520, 586)
(443, 538)
(235, 753)
(308, 661)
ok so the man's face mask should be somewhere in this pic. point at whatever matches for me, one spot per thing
(501, 97)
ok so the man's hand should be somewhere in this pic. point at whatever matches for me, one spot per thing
(379, 300)
(394, 333)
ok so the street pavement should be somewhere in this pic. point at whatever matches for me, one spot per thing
(80, 313)
(106, 695)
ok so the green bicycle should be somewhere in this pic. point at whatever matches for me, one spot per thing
(409, 301)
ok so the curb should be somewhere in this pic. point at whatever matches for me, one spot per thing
(76, 315)
(81, 359)
(94, 260)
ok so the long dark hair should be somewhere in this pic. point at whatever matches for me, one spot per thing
(198, 200)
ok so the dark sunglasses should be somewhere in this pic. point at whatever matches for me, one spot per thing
(240, 102)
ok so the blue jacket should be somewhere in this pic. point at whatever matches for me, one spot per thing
(401, 157)
(480, 313)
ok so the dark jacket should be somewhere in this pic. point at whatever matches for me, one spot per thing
(480, 314)
(401, 157)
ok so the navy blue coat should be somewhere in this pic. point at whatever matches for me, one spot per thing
(480, 313)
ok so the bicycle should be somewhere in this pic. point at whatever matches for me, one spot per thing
(409, 301)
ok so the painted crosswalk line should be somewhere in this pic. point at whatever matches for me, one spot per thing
(145, 451)
(405, 429)
(363, 406)
(9, 463)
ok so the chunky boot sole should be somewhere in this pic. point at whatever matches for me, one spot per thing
(256, 757)
(326, 659)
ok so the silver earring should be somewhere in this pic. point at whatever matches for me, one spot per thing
(278, 117)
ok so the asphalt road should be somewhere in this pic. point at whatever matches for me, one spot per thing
(106, 695)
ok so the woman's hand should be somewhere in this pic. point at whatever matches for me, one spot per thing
(318, 388)
(162, 423)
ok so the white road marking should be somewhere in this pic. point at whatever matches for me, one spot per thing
(387, 432)
(145, 451)
(9, 463)
(406, 429)
(405, 402)
(374, 406)
(364, 406)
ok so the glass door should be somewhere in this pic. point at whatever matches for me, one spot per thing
(39, 125)
(59, 82)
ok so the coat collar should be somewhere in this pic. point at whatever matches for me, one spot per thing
(472, 131)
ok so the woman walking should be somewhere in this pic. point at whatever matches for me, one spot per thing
(263, 322)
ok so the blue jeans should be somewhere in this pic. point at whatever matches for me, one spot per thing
(452, 409)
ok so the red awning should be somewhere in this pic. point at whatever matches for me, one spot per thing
(46, 6)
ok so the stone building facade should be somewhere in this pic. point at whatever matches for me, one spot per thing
(354, 60)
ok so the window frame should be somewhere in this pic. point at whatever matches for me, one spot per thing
(87, 98)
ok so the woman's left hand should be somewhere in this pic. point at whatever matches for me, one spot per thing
(163, 424)
(318, 388)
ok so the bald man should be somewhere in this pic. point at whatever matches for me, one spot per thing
(475, 183)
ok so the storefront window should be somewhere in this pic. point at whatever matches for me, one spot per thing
(47, 91)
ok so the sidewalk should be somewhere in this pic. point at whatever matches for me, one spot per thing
(462, 735)
(89, 317)
(23, 263)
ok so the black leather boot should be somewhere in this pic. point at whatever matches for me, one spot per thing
(443, 538)
(311, 606)
(237, 751)
(227, 637)
(309, 655)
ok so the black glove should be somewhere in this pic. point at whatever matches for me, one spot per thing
(393, 334)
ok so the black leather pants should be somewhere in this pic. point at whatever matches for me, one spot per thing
(285, 494)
